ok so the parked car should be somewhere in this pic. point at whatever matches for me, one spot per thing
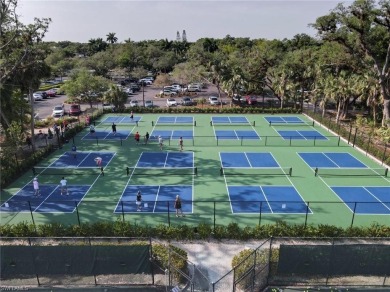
(58, 111)
(251, 100)
(171, 102)
(148, 103)
(176, 88)
(168, 92)
(38, 95)
(134, 103)
(187, 101)
(214, 100)
(44, 94)
(50, 93)
(74, 110)
(194, 88)
(58, 91)
(108, 106)
(238, 99)
(145, 81)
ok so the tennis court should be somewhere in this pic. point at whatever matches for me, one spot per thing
(244, 168)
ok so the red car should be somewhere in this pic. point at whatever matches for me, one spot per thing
(51, 93)
(74, 110)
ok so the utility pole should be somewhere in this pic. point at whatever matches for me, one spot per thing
(143, 92)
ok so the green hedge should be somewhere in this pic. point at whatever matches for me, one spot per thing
(203, 231)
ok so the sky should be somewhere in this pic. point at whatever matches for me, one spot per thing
(80, 21)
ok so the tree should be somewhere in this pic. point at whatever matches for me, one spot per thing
(111, 38)
(86, 87)
(364, 30)
(116, 97)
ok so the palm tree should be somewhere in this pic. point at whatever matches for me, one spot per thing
(111, 38)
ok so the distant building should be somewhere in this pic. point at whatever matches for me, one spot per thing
(184, 36)
(178, 36)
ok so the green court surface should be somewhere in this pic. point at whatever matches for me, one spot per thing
(248, 195)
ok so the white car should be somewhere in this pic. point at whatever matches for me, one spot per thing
(171, 102)
(133, 103)
(148, 103)
(194, 88)
(108, 106)
(58, 111)
(214, 100)
(37, 96)
(168, 92)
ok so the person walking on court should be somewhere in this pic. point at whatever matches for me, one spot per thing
(138, 201)
(160, 142)
(64, 186)
(92, 130)
(146, 138)
(136, 137)
(98, 161)
(177, 206)
(131, 115)
(74, 151)
(37, 191)
(113, 128)
(181, 144)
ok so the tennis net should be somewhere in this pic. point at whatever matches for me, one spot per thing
(262, 171)
(362, 171)
(297, 123)
(162, 171)
(37, 170)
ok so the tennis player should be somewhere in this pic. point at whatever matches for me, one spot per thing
(113, 128)
(160, 142)
(37, 191)
(139, 201)
(181, 144)
(64, 186)
(98, 161)
(74, 151)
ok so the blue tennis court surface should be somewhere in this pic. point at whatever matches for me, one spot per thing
(247, 159)
(155, 199)
(170, 135)
(175, 120)
(284, 120)
(107, 135)
(302, 135)
(369, 200)
(166, 159)
(229, 120)
(331, 160)
(50, 200)
(267, 199)
(83, 159)
(121, 120)
(236, 135)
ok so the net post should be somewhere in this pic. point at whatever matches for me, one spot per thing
(77, 211)
(266, 138)
(290, 171)
(211, 123)
(102, 171)
(196, 171)
(315, 138)
(136, 122)
(316, 171)
(121, 141)
(127, 171)
(270, 123)
(313, 124)
(123, 212)
(338, 142)
(290, 140)
(242, 138)
(254, 123)
(221, 171)
(194, 123)
(386, 172)
(152, 123)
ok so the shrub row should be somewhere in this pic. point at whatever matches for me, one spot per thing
(202, 231)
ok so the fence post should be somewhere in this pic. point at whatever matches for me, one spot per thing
(368, 144)
(123, 213)
(307, 212)
(350, 132)
(261, 207)
(169, 218)
(354, 138)
(32, 217)
(77, 211)
(265, 140)
(214, 215)
(353, 214)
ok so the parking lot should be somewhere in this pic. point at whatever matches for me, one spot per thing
(44, 108)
